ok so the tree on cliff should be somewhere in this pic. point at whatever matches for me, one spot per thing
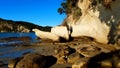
(67, 6)
(70, 6)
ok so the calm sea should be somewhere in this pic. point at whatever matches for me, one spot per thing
(10, 52)
(11, 34)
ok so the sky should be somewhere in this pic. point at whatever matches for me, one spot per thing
(40, 12)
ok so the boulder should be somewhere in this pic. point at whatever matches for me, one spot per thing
(46, 35)
(82, 63)
(32, 60)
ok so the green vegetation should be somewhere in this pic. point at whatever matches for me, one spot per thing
(19, 26)
(69, 7)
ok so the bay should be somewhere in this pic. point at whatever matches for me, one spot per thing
(17, 34)
(8, 51)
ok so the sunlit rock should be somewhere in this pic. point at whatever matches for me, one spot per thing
(99, 20)
(61, 31)
(91, 26)
(32, 60)
(46, 35)
(106, 64)
(82, 63)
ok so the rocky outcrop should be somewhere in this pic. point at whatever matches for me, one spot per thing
(46, 35)
(67, 54)
(62, 53)
(79, 53)
(29, 61)
(103, 60)
(98, 19)
(32, 60)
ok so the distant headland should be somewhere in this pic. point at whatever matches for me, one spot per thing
(20, 26)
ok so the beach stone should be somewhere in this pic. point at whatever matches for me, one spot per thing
(118, 65)
(62, 52)
(106, 64)
(105, 60)
(32, 60)
(82, 63)
(72, 58)
(12, 63)
(88, 50)
(61, 60)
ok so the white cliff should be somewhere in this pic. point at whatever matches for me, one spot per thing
(99, 19)
(94, 19)
(46, 35)
(61, 31)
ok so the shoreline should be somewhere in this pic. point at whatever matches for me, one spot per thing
(45, 48)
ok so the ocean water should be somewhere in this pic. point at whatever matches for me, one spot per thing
(8, 51)
(11, 34)
(18, 34)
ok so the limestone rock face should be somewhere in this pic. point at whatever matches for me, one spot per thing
(60, 31)
(99, 20)
(46, 35)
(91, 26)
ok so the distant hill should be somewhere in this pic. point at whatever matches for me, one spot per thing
(19, 26)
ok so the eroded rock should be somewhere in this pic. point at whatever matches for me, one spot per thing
(88, 50)
(46, 35)
(61, 31)
(82, 63)
(62, 53)
(32, 60)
